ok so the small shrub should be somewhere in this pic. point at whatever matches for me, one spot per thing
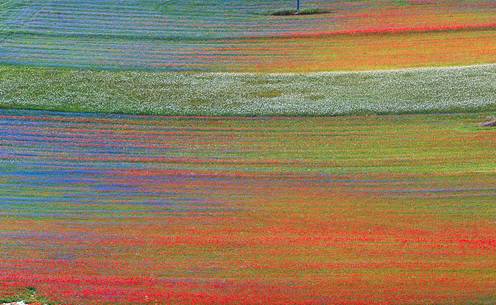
(284, 13)
(307, 11)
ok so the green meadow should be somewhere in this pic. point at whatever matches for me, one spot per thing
(432, 90)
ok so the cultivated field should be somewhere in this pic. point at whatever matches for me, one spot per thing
(209, 152)
(241, 35)
(154, 210)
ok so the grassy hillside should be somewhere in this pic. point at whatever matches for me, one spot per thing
(403, 91)
(241, 35)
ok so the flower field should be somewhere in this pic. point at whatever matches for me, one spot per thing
(176, 210)
(229, 152)
(441, 90)
(242, 35)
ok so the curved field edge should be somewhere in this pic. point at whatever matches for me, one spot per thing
(433, 90)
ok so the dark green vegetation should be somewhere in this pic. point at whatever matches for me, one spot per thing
(446, 90)
(307, 11)
(29, 295)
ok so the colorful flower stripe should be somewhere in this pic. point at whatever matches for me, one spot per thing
(363, 51)
(114, 209)
(242, 35)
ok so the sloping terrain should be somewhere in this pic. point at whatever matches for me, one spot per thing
(291, 187)
(194, 210)
(243, 36)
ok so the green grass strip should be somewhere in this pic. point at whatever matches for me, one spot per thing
(432, 90)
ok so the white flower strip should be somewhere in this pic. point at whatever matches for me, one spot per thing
(455, 89)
